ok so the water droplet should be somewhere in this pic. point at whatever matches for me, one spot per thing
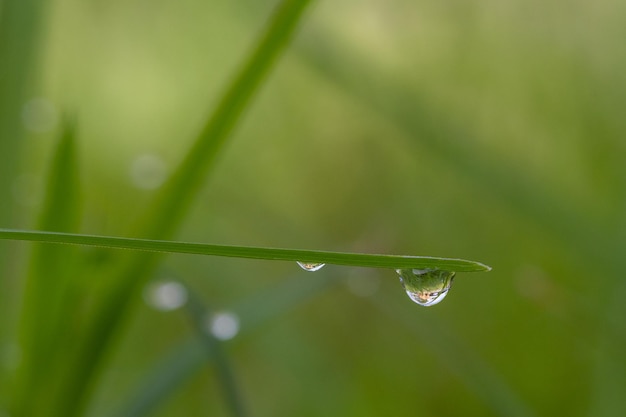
(39, 115)
(148, 172)
(166, 295)
(426, 287)
(311, 266)
(223, 325)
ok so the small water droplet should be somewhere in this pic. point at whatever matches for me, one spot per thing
(426, 287)
(40, 115)
(148, 172)
(311, 266)
(165, 295)
(223, 325)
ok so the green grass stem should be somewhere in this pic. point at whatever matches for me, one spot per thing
(185, 359)
(20, 28)
(251, 252)
(48, 297)
(213, 348)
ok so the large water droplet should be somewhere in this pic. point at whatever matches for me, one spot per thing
(426, 287)
(311, 266)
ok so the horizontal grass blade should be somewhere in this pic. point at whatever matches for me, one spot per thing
(251, 252)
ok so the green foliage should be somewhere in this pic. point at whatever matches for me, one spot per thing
(48, 290)
(50, 295)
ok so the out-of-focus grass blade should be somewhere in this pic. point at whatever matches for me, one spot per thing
(609, 373)
(280, 299)
(294, 255)
(596, 244)
(45, 306)
(178, 193)
(199, 314)
(185, 359)
(451, 353)
(20, 24)
(391, 98)
(172, 202)
(19, 31)
(163, 378)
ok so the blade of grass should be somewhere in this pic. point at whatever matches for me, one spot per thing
(187, 358)
(20, 26)
(608, 373)
(337, 258)
(199, 313)
(172, 202)
(171, 372)
(178, 194)
(45, 299)
(20, 22)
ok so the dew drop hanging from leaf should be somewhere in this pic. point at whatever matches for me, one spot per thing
(311, 266)
(426, 287)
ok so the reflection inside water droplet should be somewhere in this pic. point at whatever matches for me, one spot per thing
(311, 266)
(426, 287)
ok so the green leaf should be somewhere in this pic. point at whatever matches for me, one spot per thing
(198, 312)
(337, 258)
(48, 295)
(176, 196)
(20, 29)
(163, 378)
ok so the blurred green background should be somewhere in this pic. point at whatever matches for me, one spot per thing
(492, 131)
